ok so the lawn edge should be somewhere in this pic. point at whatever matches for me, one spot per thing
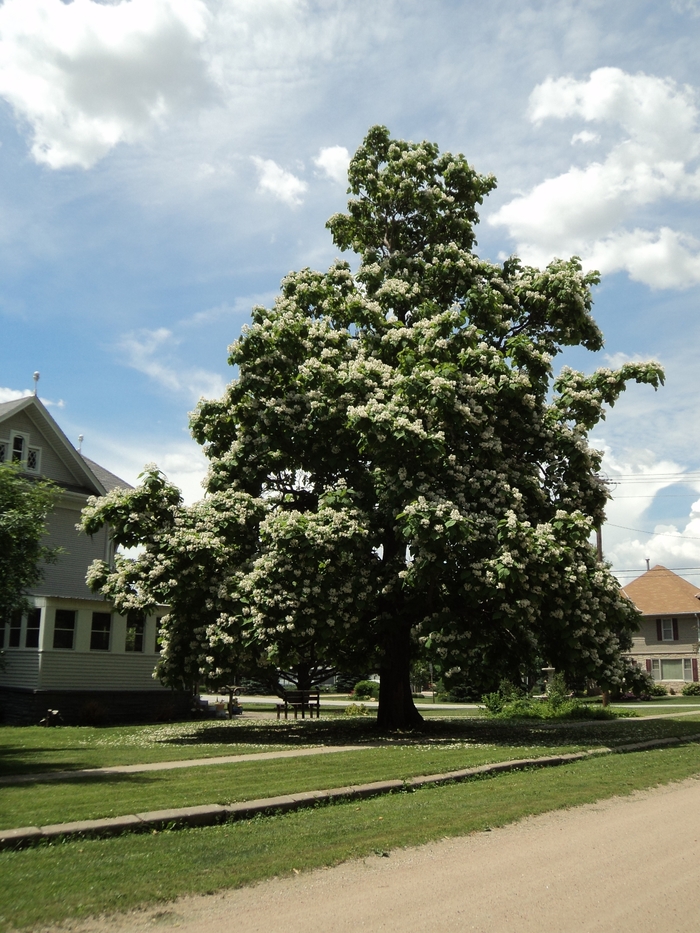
(212, 814)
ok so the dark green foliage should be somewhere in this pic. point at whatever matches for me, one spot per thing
(366, 689)
(510, 702)
(24, 506)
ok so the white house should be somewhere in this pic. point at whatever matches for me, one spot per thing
(71, 651)
(667, 642)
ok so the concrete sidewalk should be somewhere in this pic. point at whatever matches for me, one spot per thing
(212, 814)
(42, 776)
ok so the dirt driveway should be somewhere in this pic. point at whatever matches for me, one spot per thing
(626, 865)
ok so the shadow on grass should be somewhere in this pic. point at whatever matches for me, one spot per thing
(437, 732)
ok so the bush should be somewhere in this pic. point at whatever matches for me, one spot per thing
(691, 690)
(658, 690)
(511, 702)
(356, 710)
(366, 690)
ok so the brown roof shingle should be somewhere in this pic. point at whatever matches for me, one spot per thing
(660, 591)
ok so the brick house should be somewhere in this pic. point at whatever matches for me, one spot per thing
(667, 642)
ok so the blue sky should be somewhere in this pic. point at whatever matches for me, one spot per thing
(163, 163)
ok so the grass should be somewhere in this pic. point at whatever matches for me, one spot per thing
(442, 745)
(25, 749)
(51, 883)
(39, 804)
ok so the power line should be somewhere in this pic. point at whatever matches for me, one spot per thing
(656, 534)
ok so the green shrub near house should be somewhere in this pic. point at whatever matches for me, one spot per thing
(510, 702)
(366, 690)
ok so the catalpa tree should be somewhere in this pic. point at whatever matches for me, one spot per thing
(394, 470)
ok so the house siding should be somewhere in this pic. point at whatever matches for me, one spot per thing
(646, 642)
(21, 668)
(98, 670)
(67, 576)
(84, 685)
(52, 466)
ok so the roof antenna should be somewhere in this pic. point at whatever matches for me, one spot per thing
(36, 380)
(647, 560)
(80, 449)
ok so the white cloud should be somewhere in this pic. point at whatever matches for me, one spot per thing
(274, 180)
(585, 211)
(629, 538)
(86, 76)
(692, 7)
(667, 545)
(334, 161)
(151, 352)
(182, 461)
(585, 136)
(9, 395)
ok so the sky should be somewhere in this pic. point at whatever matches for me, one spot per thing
(164, 163)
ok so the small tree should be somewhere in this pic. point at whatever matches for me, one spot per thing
(394, 471)
(24, 507)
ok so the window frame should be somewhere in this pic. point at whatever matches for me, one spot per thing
(14, 635)
(60, 629)
(27, 448)
(657, 669)
(98, 635)
(136, 624)
(33, 630)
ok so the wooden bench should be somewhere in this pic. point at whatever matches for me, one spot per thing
(300, 701)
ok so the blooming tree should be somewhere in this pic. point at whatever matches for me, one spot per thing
(394, 470)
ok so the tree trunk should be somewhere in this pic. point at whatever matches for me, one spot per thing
(396, 707)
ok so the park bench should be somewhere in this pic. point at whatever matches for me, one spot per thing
(299, 701)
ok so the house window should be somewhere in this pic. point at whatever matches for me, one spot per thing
(99, 635)
(159, 647)
(31, 638)
(64, 628)
(672, 669)
(15, 630)
(17, 448)
(667, 629)
(134, 632)
(33, 459)
(2, 633)
(4, 448)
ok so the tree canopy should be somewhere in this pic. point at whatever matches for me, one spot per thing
(395, 470)
(24, 506)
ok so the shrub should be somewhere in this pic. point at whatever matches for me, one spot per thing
(691, 690)
(511, 702)
(366, 690)
(658, 690)
(356, 710)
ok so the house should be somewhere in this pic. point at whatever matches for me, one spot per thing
(71, 651)
(667, 642)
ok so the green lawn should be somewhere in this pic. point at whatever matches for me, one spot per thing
(41, 804)
(443, 745)
(52, 883)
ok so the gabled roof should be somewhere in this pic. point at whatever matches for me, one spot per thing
(7, 408)
(660, 591)
(109, 480)
(92, 477)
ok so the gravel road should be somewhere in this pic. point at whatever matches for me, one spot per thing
(625, 865)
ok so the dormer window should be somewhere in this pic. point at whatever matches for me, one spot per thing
(20, 452)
